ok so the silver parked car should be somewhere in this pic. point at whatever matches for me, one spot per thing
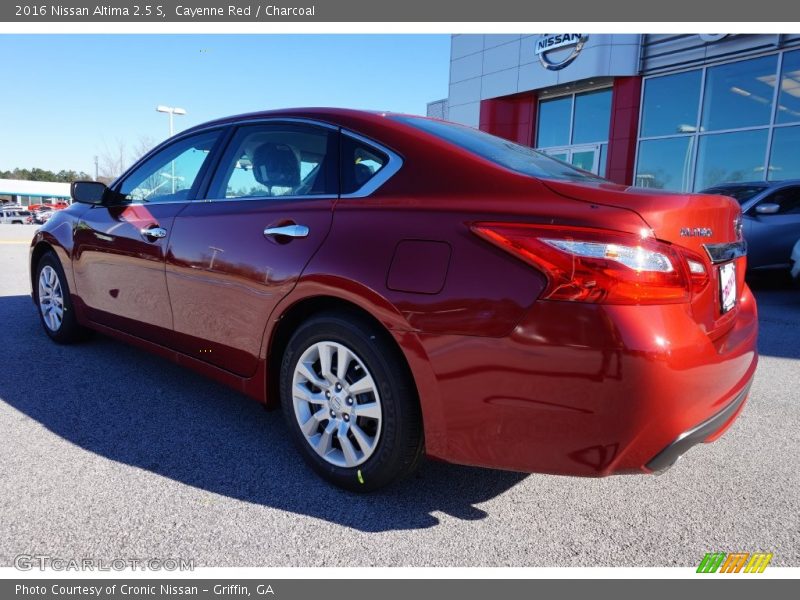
(15, 215)
(771, 220)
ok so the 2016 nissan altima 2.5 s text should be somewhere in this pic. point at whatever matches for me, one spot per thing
(402, 286)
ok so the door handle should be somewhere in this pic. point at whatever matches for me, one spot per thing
(154, 232)
(293, 231)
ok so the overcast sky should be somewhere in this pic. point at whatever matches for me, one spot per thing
(66, 98)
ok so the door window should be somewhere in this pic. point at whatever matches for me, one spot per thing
(170, 175)
(278, 160)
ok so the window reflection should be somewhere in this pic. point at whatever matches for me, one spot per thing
(671, 104)
(741, 112)
(665, 164)
(554, 116)
(784, 161)
(731, 157)
(789, 101)
(739, 94)
(592, 117)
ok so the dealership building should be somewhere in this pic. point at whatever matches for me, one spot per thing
(26, 193)
(675, 112)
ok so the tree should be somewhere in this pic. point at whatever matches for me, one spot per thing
(113, 161)
(37, 174)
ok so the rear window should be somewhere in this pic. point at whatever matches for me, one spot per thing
(740, 193)
(510, 155)
(359, 163)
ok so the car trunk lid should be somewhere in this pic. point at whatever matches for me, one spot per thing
(707, 225)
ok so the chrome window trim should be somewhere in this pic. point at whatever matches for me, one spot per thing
(210, 200)
(391, 168)
(267, 198)
(388, 171)
(720, 253)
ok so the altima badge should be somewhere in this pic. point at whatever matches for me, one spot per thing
(696, 232)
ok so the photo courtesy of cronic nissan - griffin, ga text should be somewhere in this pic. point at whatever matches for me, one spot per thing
(402, 286)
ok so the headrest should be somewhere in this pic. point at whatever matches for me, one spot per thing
(362, 174)
(276, 165)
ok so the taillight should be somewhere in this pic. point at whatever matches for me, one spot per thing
(601, 266)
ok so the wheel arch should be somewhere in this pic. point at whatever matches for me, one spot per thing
(38, 250)
(57, 240)
(300, 311)
(401, 339)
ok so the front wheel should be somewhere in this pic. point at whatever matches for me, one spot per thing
(350, 403)
(54, 302)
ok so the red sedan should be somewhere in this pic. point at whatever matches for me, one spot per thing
(403, 286)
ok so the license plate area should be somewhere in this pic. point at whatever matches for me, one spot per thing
(727, 286)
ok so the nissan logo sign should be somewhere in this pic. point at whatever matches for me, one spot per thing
(549, 44)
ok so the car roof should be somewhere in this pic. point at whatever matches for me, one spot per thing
(346, 117)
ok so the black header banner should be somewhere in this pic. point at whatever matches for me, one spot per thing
(473, 11)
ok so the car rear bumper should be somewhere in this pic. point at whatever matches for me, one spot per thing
(588, 390)
(706, 431)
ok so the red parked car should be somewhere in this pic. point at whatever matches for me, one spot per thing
(402, 285)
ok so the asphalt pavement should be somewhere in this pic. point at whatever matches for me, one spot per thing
(109, 452)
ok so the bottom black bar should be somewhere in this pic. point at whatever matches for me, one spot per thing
(406, 589)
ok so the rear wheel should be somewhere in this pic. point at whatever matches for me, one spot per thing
(54, 302)
(350, 403)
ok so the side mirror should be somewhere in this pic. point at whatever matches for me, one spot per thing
(88, 192)
(768, 208)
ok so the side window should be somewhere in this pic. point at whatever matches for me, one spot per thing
(788, 199)
(169, 175)
(360, 163)
(276, 160)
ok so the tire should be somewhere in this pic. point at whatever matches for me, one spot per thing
(51, 293)
(366, 424)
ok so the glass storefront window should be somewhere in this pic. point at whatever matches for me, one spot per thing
(665, 164)
(731, 157)
(671, 103)
(784, 160)
(739, 94)
(554, 122)
(584, 159)
(789, 99)
(592, 117)
(603, 159)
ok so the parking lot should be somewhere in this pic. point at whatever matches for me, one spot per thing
(110, 452)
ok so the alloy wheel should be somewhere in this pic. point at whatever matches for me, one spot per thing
(337, 404)
(51, 298)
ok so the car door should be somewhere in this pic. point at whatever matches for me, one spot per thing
(120, 246)
(237, 251)
(771, 237)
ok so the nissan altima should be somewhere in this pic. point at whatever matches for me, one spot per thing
(402, 286)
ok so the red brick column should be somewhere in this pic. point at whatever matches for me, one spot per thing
(510, 117)
(624, 130)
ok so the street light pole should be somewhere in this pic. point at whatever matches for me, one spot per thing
(171, 111)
